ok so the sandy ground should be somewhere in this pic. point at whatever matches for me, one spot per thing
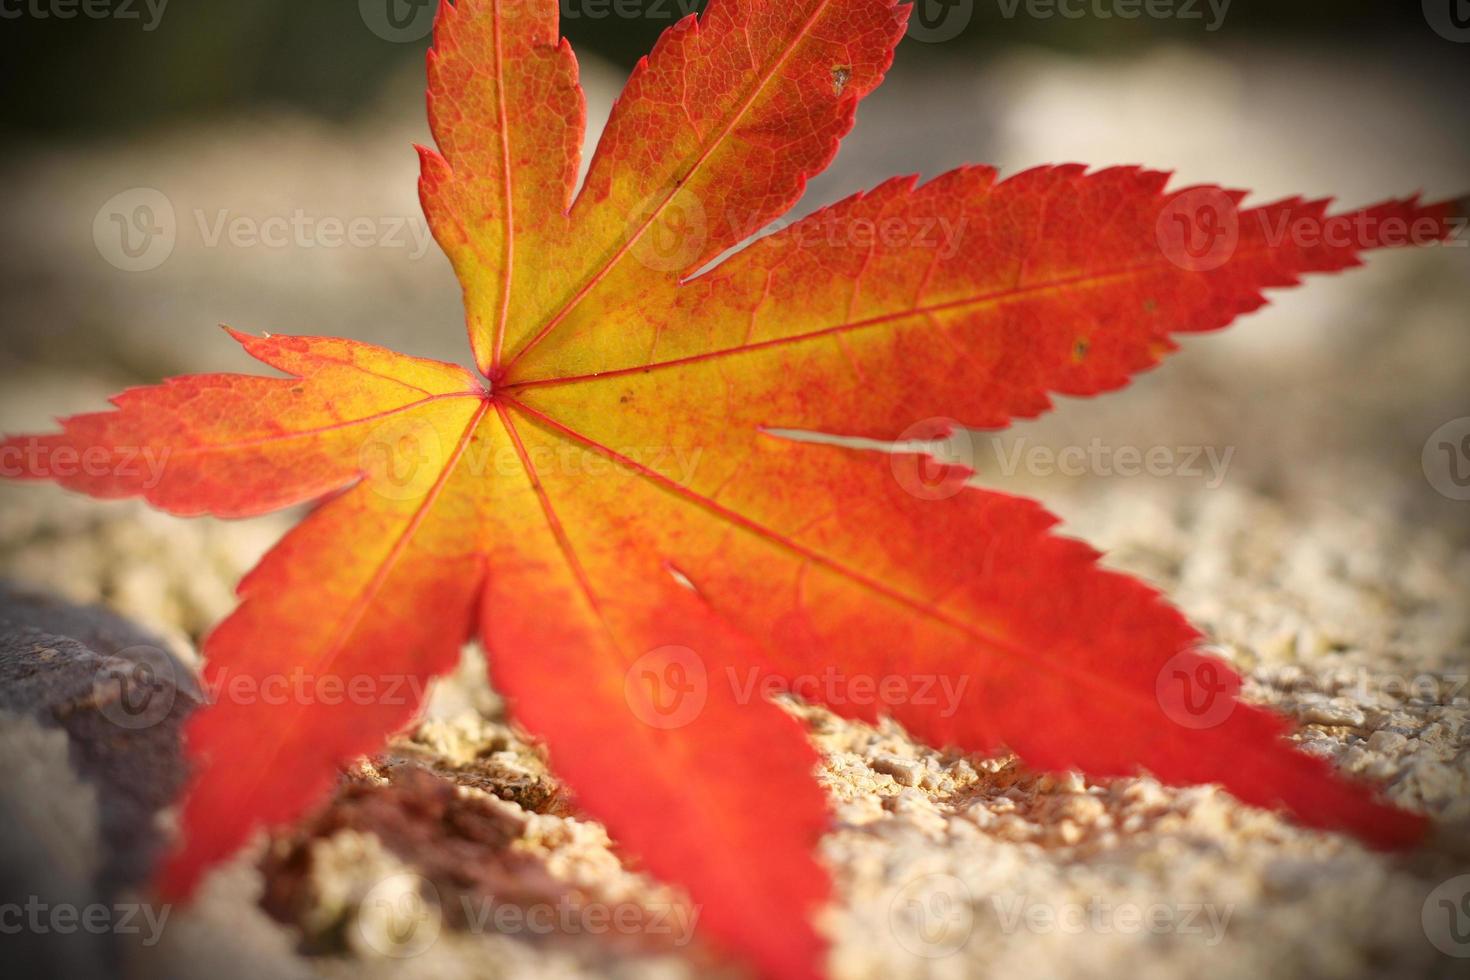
(1295, 524)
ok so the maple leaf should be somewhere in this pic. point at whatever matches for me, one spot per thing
(612, 508)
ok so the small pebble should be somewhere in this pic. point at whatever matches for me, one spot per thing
(1385, 741)
(905, 772)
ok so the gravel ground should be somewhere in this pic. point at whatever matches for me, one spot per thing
(1305, 538)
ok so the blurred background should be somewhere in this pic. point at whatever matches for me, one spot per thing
(171, 166)
(136, 65)
(244, 116)
(174, 166)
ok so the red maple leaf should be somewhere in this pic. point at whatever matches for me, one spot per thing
(610, 508)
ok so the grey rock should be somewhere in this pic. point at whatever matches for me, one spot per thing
(99, 630)
(121, 707)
